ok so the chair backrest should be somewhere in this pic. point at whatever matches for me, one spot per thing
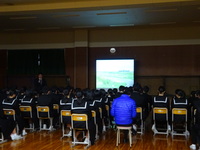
(43, 112)
(56, 107)
(65, 113)
(26, 111)
(179, 112)
(94, 116)
(139, 111)
(107, 110)
(79, 118)
(100, 111)
(160, 111)
(9, 113)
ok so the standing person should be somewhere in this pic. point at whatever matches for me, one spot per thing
(39, 82)
(195, 130)
(124, 111)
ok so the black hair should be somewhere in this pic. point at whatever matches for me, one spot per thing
(79, 96)
(161, 89)
(180, 93)
(197, 93)
(121, 88)
(146, 89)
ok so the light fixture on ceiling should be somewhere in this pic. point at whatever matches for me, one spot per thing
(121, 25)
(196, 21)
(112, 50)
(14, 29)
(162, 10)
(23, 17)
(112, 13)
(83, 26)
(48, 28)
(59, 16)
(162, 23)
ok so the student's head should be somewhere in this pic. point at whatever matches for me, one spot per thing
(161, 89)
(121, 88)
(180, 93)
(127, 91)
(65, 92)
(137, 87)
(145, 89)
(11, 93)
(197, 93)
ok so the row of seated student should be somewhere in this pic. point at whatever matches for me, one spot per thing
(67, 99)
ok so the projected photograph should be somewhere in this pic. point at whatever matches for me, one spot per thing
(114, 72)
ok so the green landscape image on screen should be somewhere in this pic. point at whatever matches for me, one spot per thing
(113, 73)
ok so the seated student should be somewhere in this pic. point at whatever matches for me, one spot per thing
(99, 103)
(11, 102)
(30, 100)
(140, 99)
(65, 104)
(161, 100)
(8, 127)
(79, 106)
(45, 99)
(148, 98)
(195, 130)
(180, 101)
(124, 111)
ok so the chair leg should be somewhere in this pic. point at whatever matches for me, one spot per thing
(130, 138)
(118, 137)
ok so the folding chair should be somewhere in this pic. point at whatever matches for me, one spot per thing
(65, 114)
(108, 116)
(77, 125)
(160, 114)
(141, 121)
(27, 114)
(10, 114)
(179, 116)
(56, 108)
(95, 123)
(2, 140)
(43, 113)
(119, 128)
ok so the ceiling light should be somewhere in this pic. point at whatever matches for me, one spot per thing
(18, 18)
(14, 29)
(84, 26)
(162, 10)
(58, 16)
(112, 13)
(198, 21)
(121, 25)
(162, 23)
(48, 28)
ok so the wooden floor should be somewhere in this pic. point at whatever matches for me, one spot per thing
(51, 141)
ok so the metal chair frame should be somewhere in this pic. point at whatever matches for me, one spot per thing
(81, 118)
(179, 111)
(25, 109)
(44, 109)
(64, 113)
(162, 111)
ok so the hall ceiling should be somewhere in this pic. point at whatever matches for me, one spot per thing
(58, 18)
